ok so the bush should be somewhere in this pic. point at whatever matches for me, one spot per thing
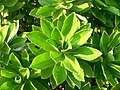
(59, 44)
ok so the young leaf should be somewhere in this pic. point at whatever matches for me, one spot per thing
(56, 56)
(14, 60)
(71, 64)
(42, 61)
(25, 72)
(56, 35)
(3, 33)
(104, 41)
(87, 53)
(39, 39)
(46, 27)
(70, 26)
(59, 73)
(60, 22)
(80, 38)
(25, 58)
(12, 31)
(114, 41)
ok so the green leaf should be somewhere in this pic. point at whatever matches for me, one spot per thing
(48, 2)
(34, 13)
(25, 59)
(87, 53)
(25, 72)
(96, 40)
(113, 10)
(70, 26)
(2, 80)
(17, 42)
(99, 75)
(36, 51)
(57, 14)
(98, 15)
(71, 64)
(117, 20)
(117, 87)
(1, 7)
(115, 66)
(56, 35)
(12, 31)
(8, 85)
(46, 27)
(56, 56)
(86, 86)
(42, 61)
(60, 22)
(5, 49)
(3, 33)
(67, 87)
(100, 3)
(9, 3)
(80, 76)
(70, 83)
(53, 83)
(16, 7)
(39, 39)
(38, 85)
(36, 28)
(18, 17)
(87, 69)
(112, 3)
(45, 11)
(59, 73)
(108, 75)
(104, 41)
(46, 73)
(53, 43)
(7, 74)
(80, 38)
(115, 40)
(14, 60)
(29, 85)
(75, 81)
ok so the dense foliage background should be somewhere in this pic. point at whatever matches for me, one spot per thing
(59, 45)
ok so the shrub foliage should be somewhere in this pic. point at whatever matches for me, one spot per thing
(59, 44)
